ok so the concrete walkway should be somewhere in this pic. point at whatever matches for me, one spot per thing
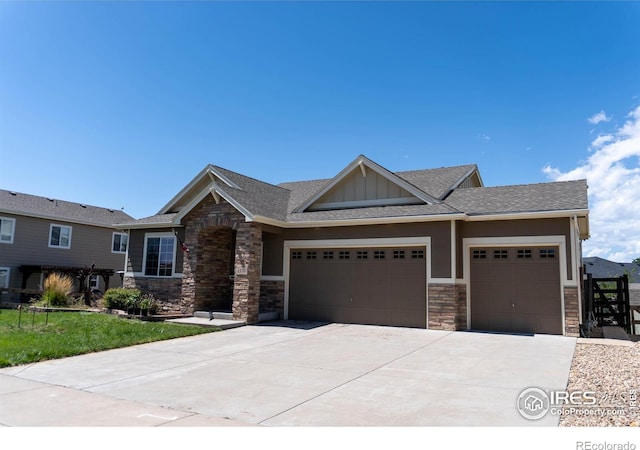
(293, 374)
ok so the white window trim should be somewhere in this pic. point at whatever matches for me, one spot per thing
(8, 278)
(61, 226)
(144, 255)
(13, 229)
(113, 238)
(97, 279)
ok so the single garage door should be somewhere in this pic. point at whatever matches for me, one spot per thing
(516, 290)
(379, 286)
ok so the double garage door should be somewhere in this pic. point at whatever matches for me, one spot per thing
(378, 286)
(516, 290)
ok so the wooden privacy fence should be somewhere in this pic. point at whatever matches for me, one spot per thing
(607, 302)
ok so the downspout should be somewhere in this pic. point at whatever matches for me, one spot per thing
(577, 259)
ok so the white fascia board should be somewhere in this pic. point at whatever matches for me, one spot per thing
(352, 222)
(249, 217)
(141, 226)
(192, 204)
(224, 178)
(464, 177)
(203, 173)
(526, 215)
(55, 218)
(184, 190)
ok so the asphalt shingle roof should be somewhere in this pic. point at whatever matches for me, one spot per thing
(32, 205)
(279, 202)
(603, 268)
(436, 182)
(557, 196)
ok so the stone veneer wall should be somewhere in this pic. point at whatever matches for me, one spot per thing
(200, 227)
(447, 307)
(272, 296)
(571, 311)
(246, 286)
(167, 291)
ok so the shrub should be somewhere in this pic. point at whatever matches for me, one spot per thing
(57, 289)
(149, 303)
(122, 298)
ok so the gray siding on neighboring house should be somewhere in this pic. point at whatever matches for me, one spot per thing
(89, 245)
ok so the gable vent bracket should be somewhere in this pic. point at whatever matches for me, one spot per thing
(362, 169)
(215, 195)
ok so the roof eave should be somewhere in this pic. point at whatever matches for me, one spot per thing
(56, 218)
(209, 169)
(366, 221)
(526, 215)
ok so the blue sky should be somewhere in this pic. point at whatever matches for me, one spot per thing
(120, 104)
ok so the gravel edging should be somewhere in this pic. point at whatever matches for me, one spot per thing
(611, 373)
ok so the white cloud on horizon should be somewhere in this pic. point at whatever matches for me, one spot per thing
(612, 172)
(599, 117)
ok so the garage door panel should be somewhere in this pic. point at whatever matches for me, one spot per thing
(365, 288)
(516, 289)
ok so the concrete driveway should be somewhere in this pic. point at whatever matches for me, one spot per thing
(293, 374)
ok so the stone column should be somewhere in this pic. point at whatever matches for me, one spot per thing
(246, 286)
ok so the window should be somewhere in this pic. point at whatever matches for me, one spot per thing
(524, 254)
(7, 228)
(479, 254)
(362, 254)
(500, 254)
(398, 254)
(327, 255)
(119, 244)
(296, 254)
(548, 253)
(343, 254)
(159, 255)
(378, 254)
(59, 236)
(4, 277)
(94, 282)
(417, 254)
(312, 255)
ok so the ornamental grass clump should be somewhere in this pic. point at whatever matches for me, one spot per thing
(57, 289)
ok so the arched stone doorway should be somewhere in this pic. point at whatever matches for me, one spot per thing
(213, 277)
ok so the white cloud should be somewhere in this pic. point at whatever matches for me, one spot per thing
(613, 175)
(599, 117)
(484, 137)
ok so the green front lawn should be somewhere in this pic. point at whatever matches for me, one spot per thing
(62, 334)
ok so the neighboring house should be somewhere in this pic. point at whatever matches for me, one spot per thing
(426, 248)
(603, 268)
(41, 235)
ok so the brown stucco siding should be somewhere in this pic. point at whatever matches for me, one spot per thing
(438, 231)
(509, 228)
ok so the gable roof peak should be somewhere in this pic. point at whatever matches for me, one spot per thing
(362, 163)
